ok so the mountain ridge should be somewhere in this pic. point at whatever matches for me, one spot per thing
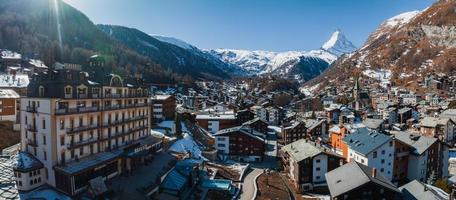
(260, 62)
(402, 50)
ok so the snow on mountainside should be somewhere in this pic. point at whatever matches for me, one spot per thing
(291, 63)
(175, 41)
(402, 50)
(401, 19)
(338, 44)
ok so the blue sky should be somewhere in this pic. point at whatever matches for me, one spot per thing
(250, 24)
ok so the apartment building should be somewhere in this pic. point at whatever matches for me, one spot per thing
(372, 149)
(81, 126)
(307, 162)
(163, 107)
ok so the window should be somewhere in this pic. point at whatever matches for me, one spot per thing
(318, 177)
(31, 182)
(44, 140)
(382, 170)
(383, 161)
(68, 90)
(375, 154)
(362, 161)
(318, 169)
(62, 124)
(44, 124)
(317, 161)
(41, 91)
(391, 143)
(81, 151)
(383, 152)
(45, 155)
(62, 140)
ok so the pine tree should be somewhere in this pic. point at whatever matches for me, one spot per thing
(178, 123)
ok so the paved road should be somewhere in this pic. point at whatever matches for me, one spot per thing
(248, 185)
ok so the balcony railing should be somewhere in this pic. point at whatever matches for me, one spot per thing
(31, 128)
(82, 128)
(82, 96)
(31, 109)
(73, 145)
(122, 121)
(65, 111)
(113, 95)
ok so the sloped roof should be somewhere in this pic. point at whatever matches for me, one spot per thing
(373, 123)
(364, 141)
(418, 142)
(417, 190)
(242, 129)
(353, 175)
(302, 149)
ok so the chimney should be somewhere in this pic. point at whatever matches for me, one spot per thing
(374, 173)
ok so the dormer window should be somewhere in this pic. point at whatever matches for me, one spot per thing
(68, 92)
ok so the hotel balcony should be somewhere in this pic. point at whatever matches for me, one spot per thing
(123, 121)
(113, 96)
(66, 111)
(31, 109)
(31, 128)
(82, 128)
(73, 145)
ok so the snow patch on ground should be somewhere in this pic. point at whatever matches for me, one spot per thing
(309, 91)
(382, 75)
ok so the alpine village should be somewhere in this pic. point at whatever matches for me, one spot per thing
(96, 111)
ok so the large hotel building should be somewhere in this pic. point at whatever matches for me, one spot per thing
(78, 126)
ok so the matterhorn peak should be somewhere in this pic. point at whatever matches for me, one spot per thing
(338, 44)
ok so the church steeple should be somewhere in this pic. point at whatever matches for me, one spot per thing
(356, 90)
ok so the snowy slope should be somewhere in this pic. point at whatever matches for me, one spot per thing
(401, 19)
(175, 41)
(261, 62)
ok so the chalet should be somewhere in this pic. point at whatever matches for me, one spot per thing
(418, 156)
(441, 128)
(215, 121)
(8, 105)
(163, 107)
(240, 143)
(317, 129)
(297, 130)
(306, 163)
(357, 181)
(244, 115)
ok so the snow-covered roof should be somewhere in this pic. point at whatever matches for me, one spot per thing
(10, 55)
(187, 144)
(8, 94)
(37, 63)
(11, 81)
(25, 161)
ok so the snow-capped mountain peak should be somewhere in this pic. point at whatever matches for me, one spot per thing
(338, 44)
